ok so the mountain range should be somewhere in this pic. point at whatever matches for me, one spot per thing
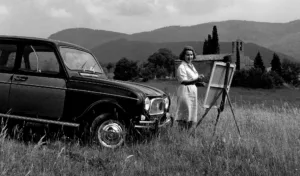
(267, 38)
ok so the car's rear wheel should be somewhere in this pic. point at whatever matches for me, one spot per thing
(108, 131)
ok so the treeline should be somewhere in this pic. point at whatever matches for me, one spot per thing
(261, 77)
(158, 65)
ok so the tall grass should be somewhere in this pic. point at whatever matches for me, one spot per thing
(269, 145)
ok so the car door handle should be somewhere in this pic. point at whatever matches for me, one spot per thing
(20, 78)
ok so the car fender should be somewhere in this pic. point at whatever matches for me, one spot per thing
(111, 104)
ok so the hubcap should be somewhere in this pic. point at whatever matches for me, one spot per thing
(111, 134)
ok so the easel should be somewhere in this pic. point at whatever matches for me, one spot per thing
(224, 94)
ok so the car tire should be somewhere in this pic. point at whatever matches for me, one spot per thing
(107, 131)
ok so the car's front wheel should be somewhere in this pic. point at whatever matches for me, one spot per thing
(108, 132)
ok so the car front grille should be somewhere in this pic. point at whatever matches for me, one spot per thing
(157, 106)
(156, 117)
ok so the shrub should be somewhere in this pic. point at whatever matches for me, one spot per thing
(267, 81)
(126, 70)
(290, 72)
(240, 78)
(256, 78)
(276, 78)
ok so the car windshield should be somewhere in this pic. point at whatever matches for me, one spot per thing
(80, 60)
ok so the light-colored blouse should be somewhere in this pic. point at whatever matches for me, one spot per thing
(186, 72)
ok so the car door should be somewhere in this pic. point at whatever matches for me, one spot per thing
(38, 88)
(8, 52)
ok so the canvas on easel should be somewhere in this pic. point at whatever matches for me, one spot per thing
(218, 89)
(216, 84)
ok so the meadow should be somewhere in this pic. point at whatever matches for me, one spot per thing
(269, 121)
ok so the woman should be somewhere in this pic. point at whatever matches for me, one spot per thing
(187, 76)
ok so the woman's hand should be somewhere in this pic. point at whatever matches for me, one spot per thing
(194, 81)
(200, 77)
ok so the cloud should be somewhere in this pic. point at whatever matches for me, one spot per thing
(42, 18)
(60, 13)
(3, 10)
(45, 17)
(256, 10)
(93, 7)
(118, 7)
(200, 7)
(135, 7)
(171, 9)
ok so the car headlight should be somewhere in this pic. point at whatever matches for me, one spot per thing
(147, 104)
(167, 102)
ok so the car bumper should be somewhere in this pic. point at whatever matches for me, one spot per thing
(155, 124)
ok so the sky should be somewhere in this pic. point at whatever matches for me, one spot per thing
(41, 18)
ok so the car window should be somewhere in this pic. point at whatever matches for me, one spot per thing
(80, 60)
(40, 59)
(7, 56)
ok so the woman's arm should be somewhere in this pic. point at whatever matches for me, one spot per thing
(190, 82)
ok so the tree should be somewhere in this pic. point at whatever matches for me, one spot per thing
(211, 45)
(205, 47)
(125, 70)
(276, 64)
(109, 66)
(170, 58)
(215, 41)
(238, 57)
(258, 62)
(160, 64)
(146, 71)
(290, 72)
(161, 72)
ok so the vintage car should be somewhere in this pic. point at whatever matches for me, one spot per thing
(58, 83)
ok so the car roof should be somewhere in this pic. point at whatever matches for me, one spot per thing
(56, 42)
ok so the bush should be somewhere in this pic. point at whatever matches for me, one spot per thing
(277, 80)
(267, 81)
(256, 78)
(240, 78)
(290, 72)
(126, 70)
(146, 74)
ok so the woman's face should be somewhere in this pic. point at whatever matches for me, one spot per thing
(189, 55)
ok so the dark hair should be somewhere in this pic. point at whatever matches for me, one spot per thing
(187, 48)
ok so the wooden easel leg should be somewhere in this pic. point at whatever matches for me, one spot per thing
(193, 131)
(206, 111)
(216, 123)
(211, 105)
(233, 113)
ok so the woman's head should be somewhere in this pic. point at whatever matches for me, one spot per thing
(187, 54)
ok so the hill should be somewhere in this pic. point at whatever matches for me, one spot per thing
(248, 31)
(85, 37)
(280, 37)
(140, 51)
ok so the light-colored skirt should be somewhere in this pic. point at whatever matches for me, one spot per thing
(187, 103)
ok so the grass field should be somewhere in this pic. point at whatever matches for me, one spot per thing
(244, 96)
(269, 121)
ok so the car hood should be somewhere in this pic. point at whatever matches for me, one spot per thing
(148, 90)
(124, 85)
